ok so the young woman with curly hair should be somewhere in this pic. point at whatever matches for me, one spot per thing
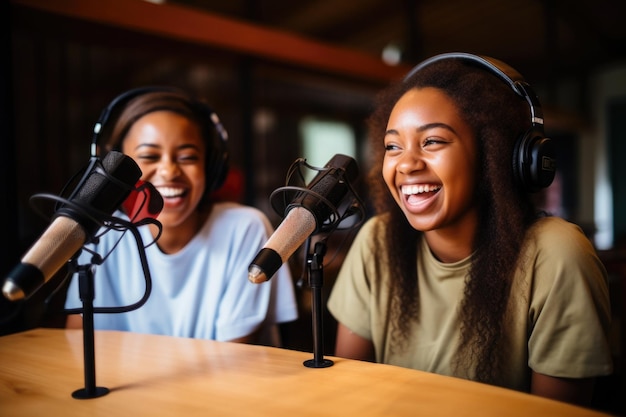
(458, 273)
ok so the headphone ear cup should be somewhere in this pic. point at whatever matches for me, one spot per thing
(217, 159)
(217, 169)
(534, 161)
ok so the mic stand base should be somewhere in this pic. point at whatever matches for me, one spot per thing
(313, 363)
(316, 279)
(86, 394)
(86, 288)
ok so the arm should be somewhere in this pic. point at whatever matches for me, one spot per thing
(569, 314)
(74, 321)
(352, 346)
(571, 390)
(251, 339)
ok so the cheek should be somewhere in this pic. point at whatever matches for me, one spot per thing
(146, 171)
(463, 182)
(197, 176)
(458, 167)
(389, 176)
(388, 171)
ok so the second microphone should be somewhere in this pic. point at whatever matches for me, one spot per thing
(306, 214)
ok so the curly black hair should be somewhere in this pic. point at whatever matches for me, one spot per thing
(497, 117)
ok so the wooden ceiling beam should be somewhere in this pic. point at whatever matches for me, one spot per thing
(189, 25)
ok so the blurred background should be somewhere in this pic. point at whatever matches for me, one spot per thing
(296, 79)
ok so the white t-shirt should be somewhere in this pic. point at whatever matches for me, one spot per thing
(202, 291)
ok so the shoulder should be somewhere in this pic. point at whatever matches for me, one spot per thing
(232, 209)
(239, 213)
(554, 223)
(555, 233)
(374, 225)
(364, 248)
(234, 218)
(369, 232)
(559, 250)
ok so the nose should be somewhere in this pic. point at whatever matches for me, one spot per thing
(410, 161)
(168, 169)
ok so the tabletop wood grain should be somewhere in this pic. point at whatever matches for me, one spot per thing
(160, 375)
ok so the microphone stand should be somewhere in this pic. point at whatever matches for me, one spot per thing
(315, 266)
(86, 286)
(324, 197)
(86, 290)
(87, 295)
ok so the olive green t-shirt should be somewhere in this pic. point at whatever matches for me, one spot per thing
(558, 314)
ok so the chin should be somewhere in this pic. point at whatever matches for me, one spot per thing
(421, 226)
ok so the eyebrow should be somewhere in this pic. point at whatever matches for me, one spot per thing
(146, 145)
(153, 146)
(426, 127)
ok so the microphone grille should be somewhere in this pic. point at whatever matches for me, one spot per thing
(103, 190)
(121, 167)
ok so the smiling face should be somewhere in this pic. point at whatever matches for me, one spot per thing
(170, 152)
(430, 163)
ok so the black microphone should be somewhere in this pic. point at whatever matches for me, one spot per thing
(309, 212)
(102, 189)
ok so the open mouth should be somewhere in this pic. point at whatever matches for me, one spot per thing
(416, 193)
(420, 189)
(171, 192)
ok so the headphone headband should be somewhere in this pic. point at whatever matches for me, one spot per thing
(118, 101)
(534, 157)
(217, 154)
(504, 71)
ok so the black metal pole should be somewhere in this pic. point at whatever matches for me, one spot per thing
(87, 295)
(316, 281)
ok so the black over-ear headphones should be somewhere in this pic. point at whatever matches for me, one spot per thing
(534, 155)
(217, 152)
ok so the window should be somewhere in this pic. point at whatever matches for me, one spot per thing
(322, 139)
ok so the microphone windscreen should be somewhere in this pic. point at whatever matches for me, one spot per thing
(327, 189)
(143, 202)
(103, 190)
(103, 194)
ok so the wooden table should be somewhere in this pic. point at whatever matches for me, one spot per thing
(160, 375)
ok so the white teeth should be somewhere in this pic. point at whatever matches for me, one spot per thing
(168, 192)
(419, 188)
